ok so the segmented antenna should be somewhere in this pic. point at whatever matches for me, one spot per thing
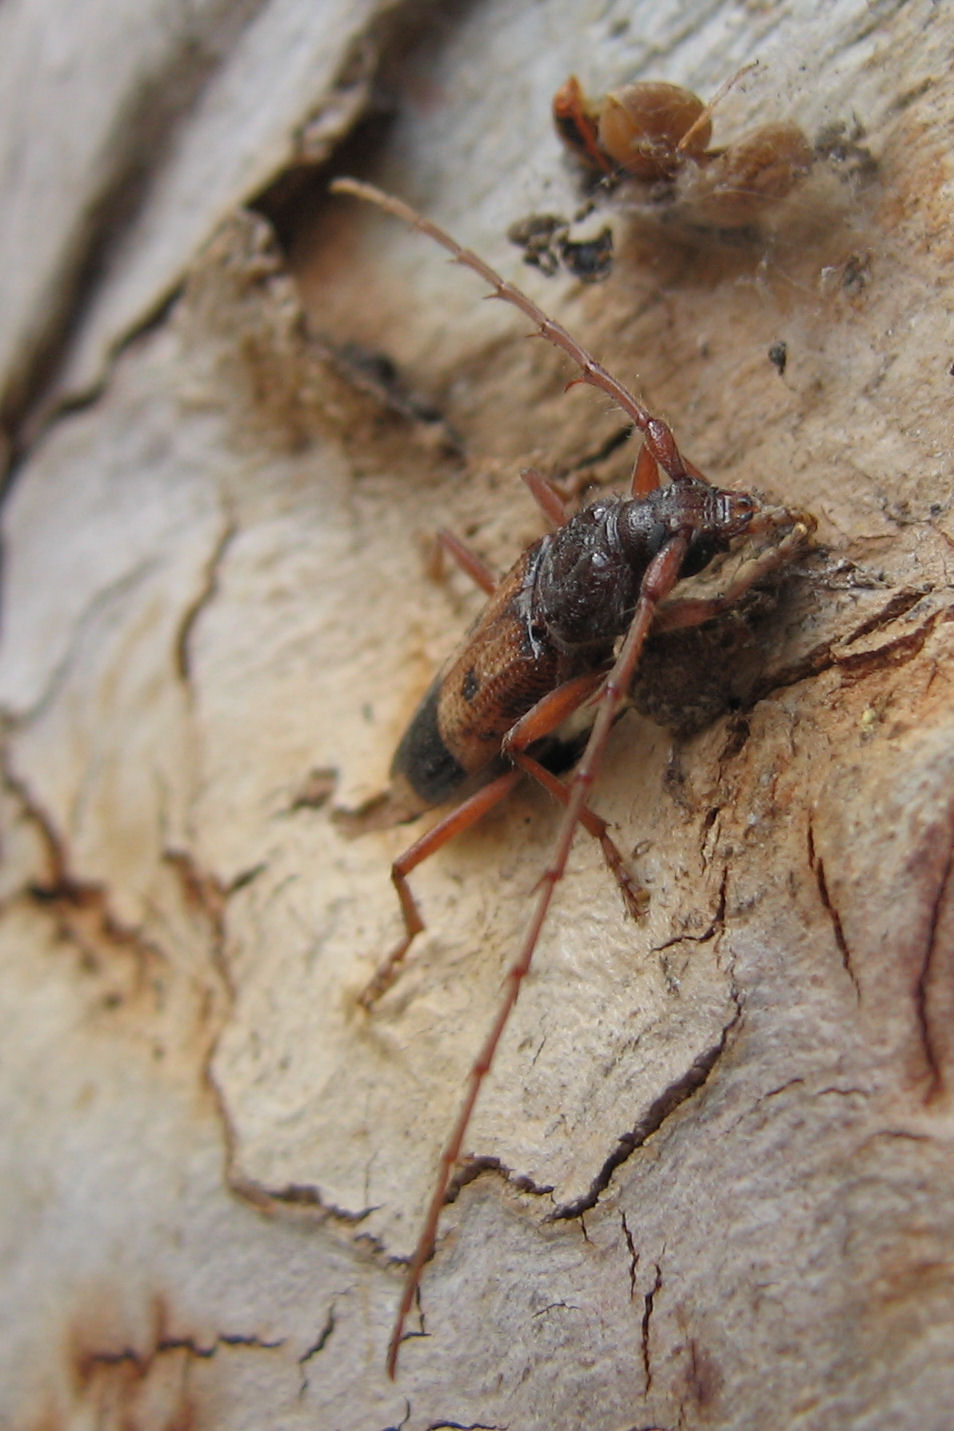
(658, 437)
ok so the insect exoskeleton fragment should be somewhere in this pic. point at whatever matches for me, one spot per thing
(563, 629)
(658, 135)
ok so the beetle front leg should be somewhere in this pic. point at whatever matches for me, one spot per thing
(690, 611)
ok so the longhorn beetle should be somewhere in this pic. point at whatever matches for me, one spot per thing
(542, 649)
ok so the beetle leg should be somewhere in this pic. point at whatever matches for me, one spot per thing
(549, 501)
(469, 562)
(544, 717)
(546, 496)
(717, 98)
(457, 820)
(689, 611)
(645, 473)
(635, 897)
(576, 125)
(540, 720)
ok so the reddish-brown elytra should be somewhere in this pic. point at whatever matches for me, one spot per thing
(545, 646)
(657, 133)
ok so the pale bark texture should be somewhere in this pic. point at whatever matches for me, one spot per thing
(714, 1161)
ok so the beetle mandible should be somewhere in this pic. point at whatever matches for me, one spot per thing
(543, 648)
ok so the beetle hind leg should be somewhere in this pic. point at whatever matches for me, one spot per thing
(456, 821)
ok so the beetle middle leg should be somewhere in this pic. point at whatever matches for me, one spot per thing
(552, 506)
(543, 718)
(469, 562)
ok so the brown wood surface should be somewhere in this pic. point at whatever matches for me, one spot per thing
(220, 609)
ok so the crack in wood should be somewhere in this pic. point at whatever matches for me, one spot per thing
(472, 1168)
(661, 1108)
(649, 1302)
(87, 1363)
(817, 865)
(633, 1255)
(203, 598)
(856, 665)
(76, 903)
(921, 991)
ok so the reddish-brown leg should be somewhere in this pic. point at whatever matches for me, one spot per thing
(469, 562)
(645, 473)
(661, 575)
(635, 897)
(548, 500)
(540, 720)
(454, 823)
(576, 125)
(545, 716)
(691, 611)
(546, 496)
